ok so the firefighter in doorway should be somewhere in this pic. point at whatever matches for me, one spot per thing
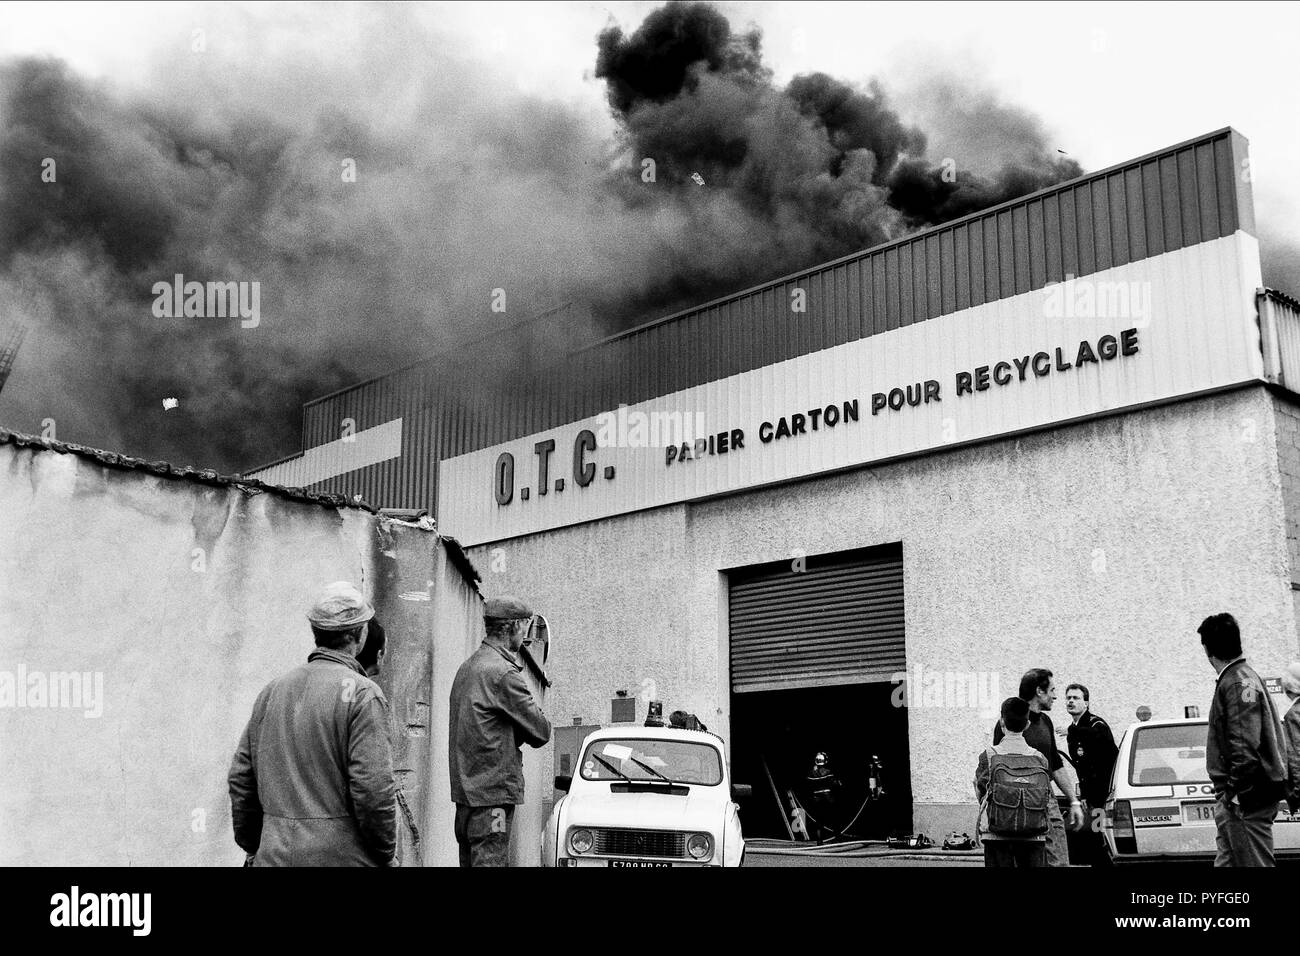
(823, 787)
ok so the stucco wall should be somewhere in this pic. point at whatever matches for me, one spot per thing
(99, 574)
(1287, 417)
(1094, 549)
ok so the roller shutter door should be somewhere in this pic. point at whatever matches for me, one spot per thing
(838, 622)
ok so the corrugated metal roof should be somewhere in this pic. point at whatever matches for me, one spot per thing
(1167, 200)
(1277, 295)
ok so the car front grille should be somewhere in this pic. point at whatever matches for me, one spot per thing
(668, 844)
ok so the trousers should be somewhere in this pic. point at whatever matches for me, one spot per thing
(483, 835)
(1058, 851)
(1243, 839)
(1015, 853)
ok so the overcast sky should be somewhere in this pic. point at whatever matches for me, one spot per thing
(1112, 80)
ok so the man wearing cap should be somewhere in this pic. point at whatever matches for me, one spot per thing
(492, 714)
(312, 783)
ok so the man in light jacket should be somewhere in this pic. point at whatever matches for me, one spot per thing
(311, 783)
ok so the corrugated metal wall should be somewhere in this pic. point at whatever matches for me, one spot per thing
(838, 621)
(1279, 317)
(1178, 197)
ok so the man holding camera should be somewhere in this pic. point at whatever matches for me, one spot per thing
(492, 713)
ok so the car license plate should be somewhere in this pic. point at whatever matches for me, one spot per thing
(1198, 813)
(638, 863)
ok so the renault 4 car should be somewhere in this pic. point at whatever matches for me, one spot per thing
(1161, 804)
(646, 797)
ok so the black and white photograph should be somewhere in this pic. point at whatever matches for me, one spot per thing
(816, 436)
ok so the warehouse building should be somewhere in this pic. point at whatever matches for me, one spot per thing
(845, 510)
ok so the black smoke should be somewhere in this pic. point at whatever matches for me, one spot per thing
(793, 175)
(228, 167)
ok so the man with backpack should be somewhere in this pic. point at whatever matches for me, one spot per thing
(1014, 786)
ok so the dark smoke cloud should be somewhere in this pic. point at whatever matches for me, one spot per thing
(794, 175)
(228, 168)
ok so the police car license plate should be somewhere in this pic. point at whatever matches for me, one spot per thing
(637, 863)
(1198, 813)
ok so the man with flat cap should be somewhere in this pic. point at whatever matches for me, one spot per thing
(492, 714)
(312, 783)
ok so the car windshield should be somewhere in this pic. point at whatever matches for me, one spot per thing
(1168, 755)
(682, 761)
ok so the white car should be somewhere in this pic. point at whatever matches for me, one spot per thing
(646, 796)
(1161, 804)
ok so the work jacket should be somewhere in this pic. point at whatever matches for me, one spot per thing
(1243, 753)
(1093, 750)
(1291, 726)
(311, 783)
(492, 714)
(822, 781)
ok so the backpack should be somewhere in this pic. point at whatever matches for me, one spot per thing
(1018, 794)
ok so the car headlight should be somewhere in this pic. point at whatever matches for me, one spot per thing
(580, 841)
(699, 846)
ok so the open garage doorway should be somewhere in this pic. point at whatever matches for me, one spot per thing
(775, 736)
(814, 645)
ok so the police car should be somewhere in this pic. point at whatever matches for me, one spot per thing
(646, 797)
(1161, 803)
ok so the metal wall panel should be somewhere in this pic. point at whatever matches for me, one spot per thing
(840, 621)
(1195, 327)
(1279, 317)
(1185, 195)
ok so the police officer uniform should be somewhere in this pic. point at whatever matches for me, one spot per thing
(1093, 752)
(492, 714)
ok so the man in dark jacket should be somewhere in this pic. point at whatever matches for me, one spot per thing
(492, 713)
(1242, 752)
(1291, 731)
(1093, 751)
(311, 783)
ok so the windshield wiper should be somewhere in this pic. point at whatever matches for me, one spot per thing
(612, 768)
(646, 766)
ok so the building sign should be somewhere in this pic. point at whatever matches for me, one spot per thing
(1008, 366)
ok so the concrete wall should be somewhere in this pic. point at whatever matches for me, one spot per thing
(186, 599)
(1287, 417)
(1094, 549)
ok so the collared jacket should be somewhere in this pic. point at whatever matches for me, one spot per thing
(1291, 728)
(311, 783)
(1093, 750)
(492, 715)
(1243, 752)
